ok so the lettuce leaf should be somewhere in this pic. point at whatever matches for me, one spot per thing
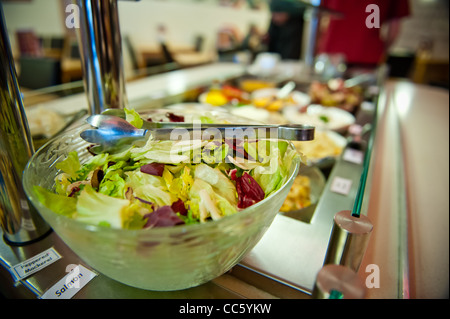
(220, 183)
(71, 165)
(276, 161)
(99, 209)
(205, 203)
(214, 153)
(121, 156)
(161, 152)
(136, 179)
(113, 184)
(60, 204)
(180, 183)
(150, 188)
(100, 160)
(269, 176)
(62, 182)
(133, 118)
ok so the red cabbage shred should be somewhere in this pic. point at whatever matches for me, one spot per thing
(162, 217)
(249, 191)
(174, 118)
(178, 207)
(153, 169)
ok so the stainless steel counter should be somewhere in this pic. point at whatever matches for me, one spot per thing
(283, 265)
(285, 262)
(100, 287)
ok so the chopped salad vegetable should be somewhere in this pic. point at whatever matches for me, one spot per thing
(168, 183)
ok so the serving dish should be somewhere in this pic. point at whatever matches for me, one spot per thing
(45, 123)
(267, 98)
(326, 146)
(162, 259)
(195, 108)
(224, 94)
(336, 94)
(323, 118)
(306, 189)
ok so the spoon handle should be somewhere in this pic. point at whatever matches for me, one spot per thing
(284, 132)
(115, 127)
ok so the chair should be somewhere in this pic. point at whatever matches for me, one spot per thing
(39, 72)
(71, 69)
(166, 53)
(136, 63)
(198, 43)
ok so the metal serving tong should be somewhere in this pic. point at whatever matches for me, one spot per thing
(112, 132)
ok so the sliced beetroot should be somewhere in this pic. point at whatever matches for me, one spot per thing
(153, 169)
(249, 191)
(162, 217)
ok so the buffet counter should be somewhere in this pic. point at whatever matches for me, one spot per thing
(150, 91)
(407, 256)
(409, 194)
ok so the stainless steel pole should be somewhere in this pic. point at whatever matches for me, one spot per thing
(19, 220)
(312, 36)
(101, 54)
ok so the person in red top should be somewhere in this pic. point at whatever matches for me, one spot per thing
(357, 34)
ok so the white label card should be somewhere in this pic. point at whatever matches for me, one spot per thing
(353, 156)
(341, 185)
(72, 283)
(34, 264)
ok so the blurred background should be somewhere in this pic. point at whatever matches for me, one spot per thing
(238, 56)
(202, 31)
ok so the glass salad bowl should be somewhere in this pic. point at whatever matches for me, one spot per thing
(160, 258)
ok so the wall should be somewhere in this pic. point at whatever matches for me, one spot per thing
(43, 16)
(183, 19)
(429, 21)
(187, 18)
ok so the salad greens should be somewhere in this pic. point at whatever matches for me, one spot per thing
(167, 183)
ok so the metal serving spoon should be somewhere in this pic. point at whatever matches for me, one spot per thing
(112, 133)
